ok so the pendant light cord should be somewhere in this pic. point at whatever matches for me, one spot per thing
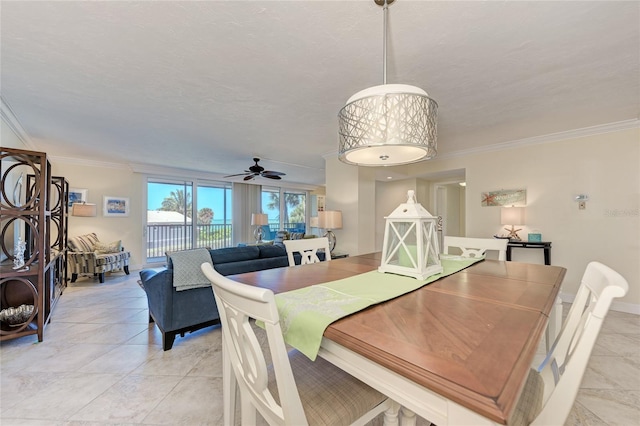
(385, 11)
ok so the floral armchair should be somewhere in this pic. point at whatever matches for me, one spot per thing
(88, 256)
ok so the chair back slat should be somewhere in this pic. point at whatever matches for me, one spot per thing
(237, 304)
(308, 249)
(476, 247)
(564, 366)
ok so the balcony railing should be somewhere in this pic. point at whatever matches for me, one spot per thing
(164, 238)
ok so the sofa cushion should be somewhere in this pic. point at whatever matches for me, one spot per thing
(234, 254)
(281, 236)
(102, 248)
(113, 258)
(272, 251)
(83, 243)
(233, 268)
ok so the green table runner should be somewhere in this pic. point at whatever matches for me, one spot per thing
(306, 313)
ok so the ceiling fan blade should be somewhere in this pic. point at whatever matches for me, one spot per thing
(257, 170)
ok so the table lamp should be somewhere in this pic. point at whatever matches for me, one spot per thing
(257, 220)
(84, 209)
(330, 219)
(512, 216)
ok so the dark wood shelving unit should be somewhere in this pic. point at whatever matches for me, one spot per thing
(42, 218)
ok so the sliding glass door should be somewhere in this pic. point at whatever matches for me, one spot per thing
(213, 226)
(285, 208)
(171, 209)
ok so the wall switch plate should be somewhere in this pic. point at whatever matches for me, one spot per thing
(582, 205)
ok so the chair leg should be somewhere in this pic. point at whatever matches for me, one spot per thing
(126, 269)
(391, 417)
(74, 277)
(555, 323)
(229, 387)
(408, 417)
(101, 277)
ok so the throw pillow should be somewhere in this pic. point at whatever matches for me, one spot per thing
(102, 248)
(280, 236)
(297, 235)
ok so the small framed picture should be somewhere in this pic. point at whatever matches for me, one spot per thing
(115, 206)
(77, 195)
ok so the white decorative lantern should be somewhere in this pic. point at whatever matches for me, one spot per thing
(410, 241)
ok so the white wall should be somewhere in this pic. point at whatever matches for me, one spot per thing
(10, 139)
(108, 179)
(388, 196)
(605, 166)
(99, 179)
(352, 190)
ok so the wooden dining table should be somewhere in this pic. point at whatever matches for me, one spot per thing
(455, 352)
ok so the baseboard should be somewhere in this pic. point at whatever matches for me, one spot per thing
(136, 267)
(629, 308)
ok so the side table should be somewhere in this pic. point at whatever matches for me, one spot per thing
(545, 245)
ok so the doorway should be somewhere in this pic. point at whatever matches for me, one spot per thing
(449, 203)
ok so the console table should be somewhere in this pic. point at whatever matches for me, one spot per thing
(545, 245)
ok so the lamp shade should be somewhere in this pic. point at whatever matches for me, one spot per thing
(84, 210)
(259, 219)
(388, 125)
(512, 216)
(330, 219)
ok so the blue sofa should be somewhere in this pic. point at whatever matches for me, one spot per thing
(178, 312)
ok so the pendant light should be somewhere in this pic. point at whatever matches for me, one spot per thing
(387, 125)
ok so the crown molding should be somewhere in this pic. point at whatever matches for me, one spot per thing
(552, 137)
(89, 163)
(151, 169)
(163, 171)
(535, 140)
(12, 121)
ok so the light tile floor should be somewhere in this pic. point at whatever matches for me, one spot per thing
(102, 363)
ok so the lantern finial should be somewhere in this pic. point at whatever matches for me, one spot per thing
(411, 197)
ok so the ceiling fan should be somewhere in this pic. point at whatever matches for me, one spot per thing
(257, 170)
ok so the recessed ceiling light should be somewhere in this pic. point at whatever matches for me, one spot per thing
(389, 177)
(462, 183)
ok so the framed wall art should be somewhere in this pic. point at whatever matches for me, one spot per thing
(77, 195)
(115, 206)
(505, 197)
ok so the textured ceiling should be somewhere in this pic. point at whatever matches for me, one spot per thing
(208, 85)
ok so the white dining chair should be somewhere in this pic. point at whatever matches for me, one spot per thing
(308, 249)
(476, 247)
(293, 390)
(551, 388)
